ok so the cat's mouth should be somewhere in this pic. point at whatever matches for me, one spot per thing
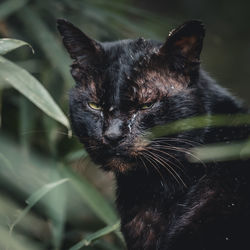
(119, 164)
(120, 158)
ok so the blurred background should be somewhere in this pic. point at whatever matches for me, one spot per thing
(51, 195)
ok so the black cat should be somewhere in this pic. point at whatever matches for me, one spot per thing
(125, 88)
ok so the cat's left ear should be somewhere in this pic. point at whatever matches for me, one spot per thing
(78, 44)
(184, 44)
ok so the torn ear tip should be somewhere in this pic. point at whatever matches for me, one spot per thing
(195, 21)
(63, 25)
(61, 21)
(197, 24)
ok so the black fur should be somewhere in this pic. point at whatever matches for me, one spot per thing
(165, 201)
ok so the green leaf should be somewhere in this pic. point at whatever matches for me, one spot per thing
(98, 234)
(7, 45)
(10, 6)
(221, 152)
(198, 122)
(35, 197)
(25, 83)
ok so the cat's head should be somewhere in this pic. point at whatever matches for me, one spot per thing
(126, 87)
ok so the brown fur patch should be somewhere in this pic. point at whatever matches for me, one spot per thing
(119, 165)
(155, 85)
(91, 88)
(145, 228)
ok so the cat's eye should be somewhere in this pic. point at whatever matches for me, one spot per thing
(147, 105)
(94, 106)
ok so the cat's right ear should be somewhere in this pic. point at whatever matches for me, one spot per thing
(183, 46)
(79, 45)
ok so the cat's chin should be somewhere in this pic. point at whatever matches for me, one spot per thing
(119, 165)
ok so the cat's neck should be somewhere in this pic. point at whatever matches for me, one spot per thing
(151, 187)
(141, 196)
(141, 184)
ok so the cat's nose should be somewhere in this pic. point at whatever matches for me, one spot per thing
(113, 133)
(112, 137)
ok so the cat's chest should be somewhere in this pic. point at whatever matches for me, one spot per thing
(144, 228)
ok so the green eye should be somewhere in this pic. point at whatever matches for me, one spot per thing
(147, 105)
(94, 106)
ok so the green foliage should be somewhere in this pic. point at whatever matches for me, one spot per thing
(35, 197)
(32, 177)
(21, 80)
(198, 122)
(7, 45)
(222, 152)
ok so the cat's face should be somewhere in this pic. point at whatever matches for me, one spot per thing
(125, 88)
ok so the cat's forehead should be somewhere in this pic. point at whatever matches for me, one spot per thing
(129, 51)
(128, 60)
(126, 68)
(130, 73)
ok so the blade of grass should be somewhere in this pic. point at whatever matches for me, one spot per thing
(35, 197)
(221, 152)
(10, 6)
(198, 122)
(7, 45)
(25, 83)
(95, 236)
(56, 209)
(26, 123)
